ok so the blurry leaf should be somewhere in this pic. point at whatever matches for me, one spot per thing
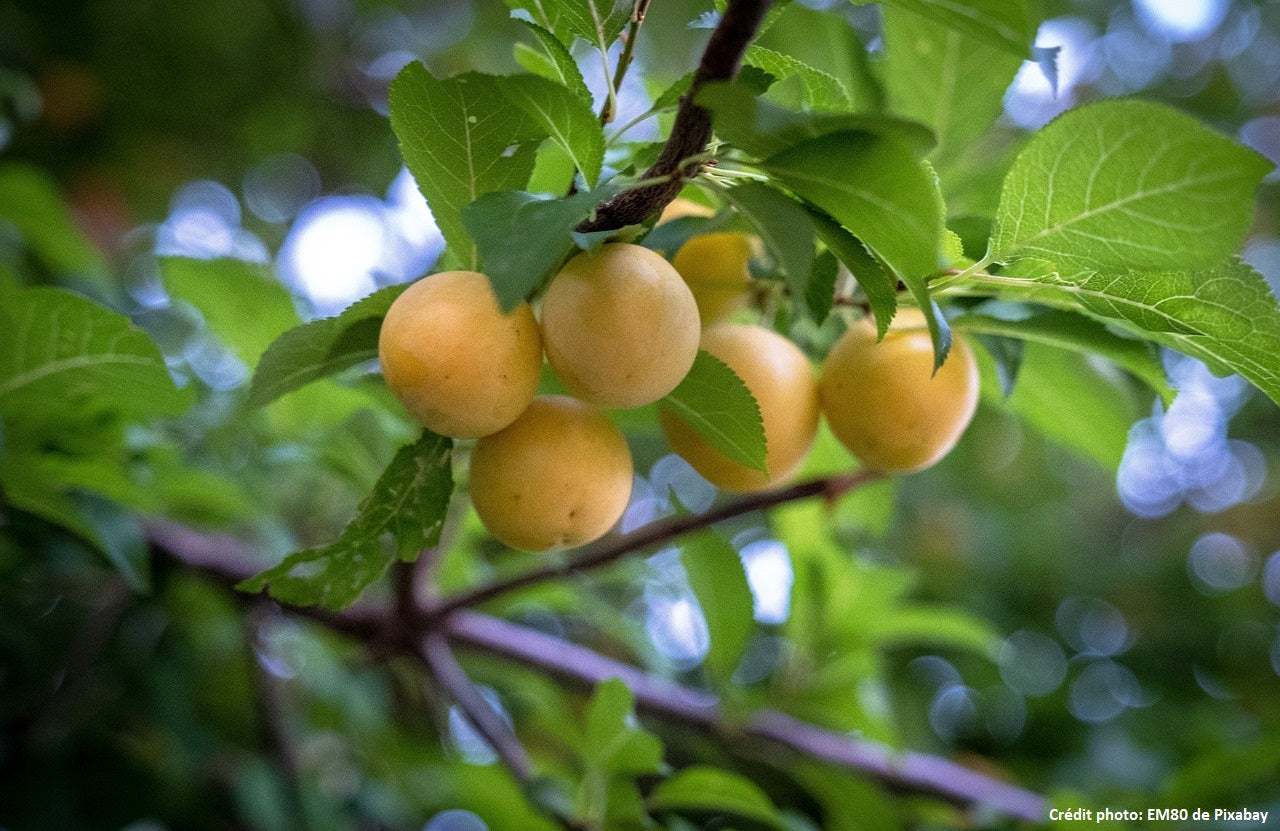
(521, 237)
(558, 63)
(407, 505)
(30, 199)
(320, 348)
(60, 351)
(242, 303)
(920, 625)
(1127, 185)
(564, 116)
(714, 401)
(461, 138)
(670, 96)
(719, 581)
(707, 794)
(763, 129)
(785, 227)
(1008, 24)
(1068, 331)
(945, 78)
(818, 90)
(613, 744)
(1068, 399)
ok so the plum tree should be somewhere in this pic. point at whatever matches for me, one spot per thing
(884, 401)
(717, 268)
(559, 476)
(780, 378)
(620, 326)
(460, 365)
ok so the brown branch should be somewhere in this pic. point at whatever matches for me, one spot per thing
(681, 156)
(656, 533)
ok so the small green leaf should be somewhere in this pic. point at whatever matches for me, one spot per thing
(878, 284)
(402, 516)
(61, 351)
(461, 138)
(243, 304)
(559, 64)
(1009, 24)
(714, 401)
(1127, 185)
(705, 794)
(521, 237)
(562, 115)
(719, 581)
(763, 129)
(817, 90)
(945, 78)
(820, 293)
(882, 194)
(320, 348)
(613, 744)
(784, 226)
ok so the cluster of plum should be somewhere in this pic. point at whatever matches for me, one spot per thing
(621, 327)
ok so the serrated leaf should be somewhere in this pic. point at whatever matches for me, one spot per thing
(714, 401)
(819, 295)
(763, 129)
(559, 63)
(882, 194)
(1009, 24)
(562, 115)
(702, 792)
(320, 348)
(818, 90)
(461, 138)
(944, 78)
(1127, 185)
(61, 351)
(240, 301)
(1073, 332)
(878, 284)
(402, 516)
(784, 226)
(719, 581)
(521, 237)
(598, 22)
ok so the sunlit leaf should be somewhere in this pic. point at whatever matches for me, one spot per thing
(714, 401)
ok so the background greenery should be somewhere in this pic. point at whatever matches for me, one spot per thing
(1082, 598)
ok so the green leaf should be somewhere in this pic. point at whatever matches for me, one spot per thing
(816, 89)
(461, 138)
(558, 63)
(1066, 398)
(704, 793)
(1009, 24)
(921, 625)
(242, 303)
(562, 115)
(60, 351)
(521, 237)
(402, 516)
(1226, 317)
(877, 283)
(1067, 330)
(320, 348)
(819, 295)
(30, 199)
(945, 78)
(714, 401)
(719, 581)
(1127, 185)
(613, 744)
(762, 129)
(784, 226)
(599, 22)
(881, 193)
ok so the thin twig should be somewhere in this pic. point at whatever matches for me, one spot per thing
(691, 130)
(638, 12)
(656, 533)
